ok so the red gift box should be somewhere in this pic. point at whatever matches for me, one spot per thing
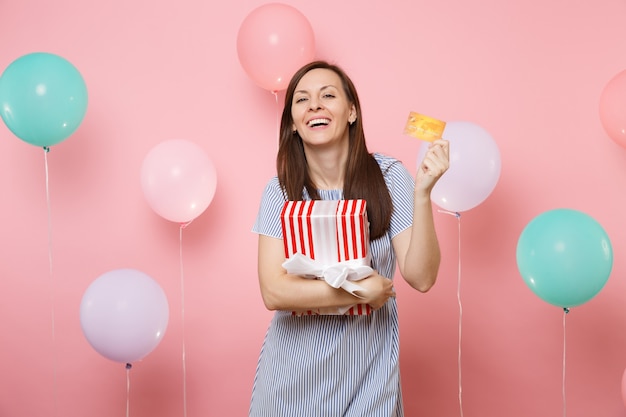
(328, 232)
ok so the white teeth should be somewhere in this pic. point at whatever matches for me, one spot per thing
(315, 122)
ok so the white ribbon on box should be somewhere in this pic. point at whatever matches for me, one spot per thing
(337, 275)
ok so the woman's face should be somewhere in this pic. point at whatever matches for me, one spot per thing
(320, 109)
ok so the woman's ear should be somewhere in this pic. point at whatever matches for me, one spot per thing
(352, 116)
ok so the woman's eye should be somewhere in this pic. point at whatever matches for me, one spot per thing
(328, 95)
(300, 99)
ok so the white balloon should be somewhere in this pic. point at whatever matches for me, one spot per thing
(474, 167)
(124, 314)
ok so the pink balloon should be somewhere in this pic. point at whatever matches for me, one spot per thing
(273, 42)
(124, 315)
(178, 180)
(474, 167)
(613, 108)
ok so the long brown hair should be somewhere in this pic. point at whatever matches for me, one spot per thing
(363, 178)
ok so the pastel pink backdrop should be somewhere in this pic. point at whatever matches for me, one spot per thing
(531, 73)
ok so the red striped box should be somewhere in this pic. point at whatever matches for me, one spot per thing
(328, 231)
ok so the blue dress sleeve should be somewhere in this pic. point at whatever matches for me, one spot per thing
(401, 184)
(268, 217)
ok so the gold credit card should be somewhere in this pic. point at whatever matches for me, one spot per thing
(424, 127)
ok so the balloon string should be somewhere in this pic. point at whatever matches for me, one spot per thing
(52, 297)
(128, 366)
(182, 295)
(565, 311)
(458, 296)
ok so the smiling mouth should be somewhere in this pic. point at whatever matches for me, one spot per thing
(318, 122)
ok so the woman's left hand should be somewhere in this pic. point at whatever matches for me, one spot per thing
(435, 163)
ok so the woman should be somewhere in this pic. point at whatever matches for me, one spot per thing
(339, 365)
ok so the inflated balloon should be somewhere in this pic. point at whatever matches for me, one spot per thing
(613, 108)
(178, 180)
(273, 42)
(124, 315)
(474, 167)
(565, 257)
(43, 98)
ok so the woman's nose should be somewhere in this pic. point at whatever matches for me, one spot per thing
(314, 104)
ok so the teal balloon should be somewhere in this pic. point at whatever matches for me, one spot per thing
(565, 257)
(43, 98)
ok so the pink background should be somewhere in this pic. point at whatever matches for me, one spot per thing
(529, 72)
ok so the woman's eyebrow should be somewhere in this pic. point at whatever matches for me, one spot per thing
(321, 89)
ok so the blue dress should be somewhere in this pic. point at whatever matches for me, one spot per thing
(334, 366)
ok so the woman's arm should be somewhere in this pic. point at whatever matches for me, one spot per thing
(283, 291)
(417, 247)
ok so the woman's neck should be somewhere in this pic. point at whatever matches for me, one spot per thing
(327, 168)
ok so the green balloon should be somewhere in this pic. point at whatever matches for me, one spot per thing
(565, 257)
(43, 98)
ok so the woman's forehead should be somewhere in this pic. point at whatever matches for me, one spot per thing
(318, 78)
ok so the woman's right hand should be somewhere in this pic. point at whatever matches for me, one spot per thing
(377, 289)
